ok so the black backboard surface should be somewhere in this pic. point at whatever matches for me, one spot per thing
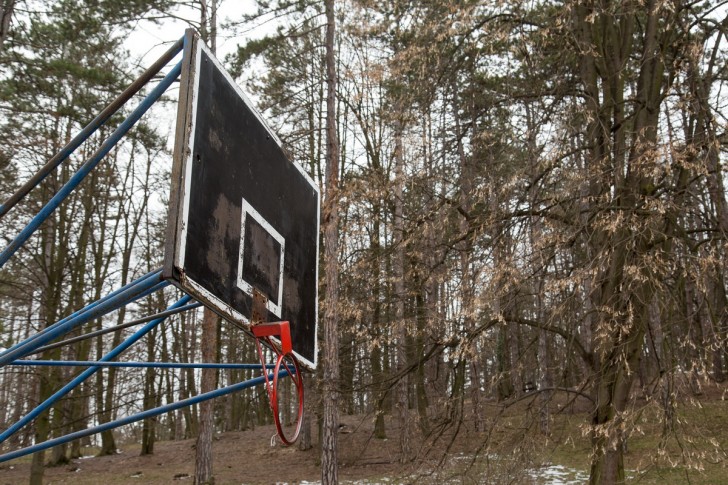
(243, 217)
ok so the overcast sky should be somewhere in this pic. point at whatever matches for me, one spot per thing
(150, 40)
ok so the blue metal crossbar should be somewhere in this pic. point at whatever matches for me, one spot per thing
(161, 365)
(140, 416)
(86, 168)
(94, 125)
(87, 373)
(135, 290)
(84, 309)
(116, 328)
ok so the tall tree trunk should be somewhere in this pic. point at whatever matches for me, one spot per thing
(209, 338)
(705, 136)
(150, 399)
(187, 382)
(400, 324)
(79, 397)
(467, 281)
(623, 158)
(375, 353)
(544, 373)
(544, 380)
(50, 300)
(305, 440)
(203, 449)
(423, 420)
(131, 221)
(330, 385)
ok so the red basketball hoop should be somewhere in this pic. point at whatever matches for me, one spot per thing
(282, 330)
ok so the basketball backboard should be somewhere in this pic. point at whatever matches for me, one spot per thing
(243, 226)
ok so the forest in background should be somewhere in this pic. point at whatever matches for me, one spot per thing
(531, 204)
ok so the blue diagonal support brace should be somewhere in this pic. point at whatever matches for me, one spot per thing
(82, 172)
(140, 288)
(140, 416)
(89, 129)
(137, 365)
(86, 374)
(78, 312)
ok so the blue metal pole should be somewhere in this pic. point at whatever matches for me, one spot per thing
(116, 328)
(78, 177)
(89, 129)
(99, 311)
(162, 365)
(87, 373)
(140, 290)
(82, 310)
(139, 416)
(130, 292)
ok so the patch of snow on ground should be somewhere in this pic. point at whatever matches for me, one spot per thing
(345, 482)
(545, 475)
(558, 475)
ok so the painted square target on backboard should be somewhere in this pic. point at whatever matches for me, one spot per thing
(244, 219)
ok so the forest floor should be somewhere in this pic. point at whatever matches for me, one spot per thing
(509, 450)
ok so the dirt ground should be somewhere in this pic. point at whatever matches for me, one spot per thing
(244, 457)
(517, 453)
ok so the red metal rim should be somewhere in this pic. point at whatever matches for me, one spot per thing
(298, 381)
(272, 389)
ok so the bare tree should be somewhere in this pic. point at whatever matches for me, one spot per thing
(209, 338)
(330, 385)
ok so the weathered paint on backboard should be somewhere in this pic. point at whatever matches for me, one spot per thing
(243, 217)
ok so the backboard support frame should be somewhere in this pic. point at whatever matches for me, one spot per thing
(141, 287)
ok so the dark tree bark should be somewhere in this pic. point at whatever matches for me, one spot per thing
(400, 323)
(203, 449)
(6, 14)
(330, 384)
(208, 346)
